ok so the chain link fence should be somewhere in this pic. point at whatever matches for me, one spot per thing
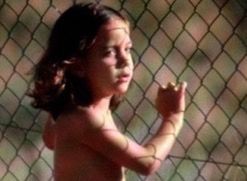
(200, 41)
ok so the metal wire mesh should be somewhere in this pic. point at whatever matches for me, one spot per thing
(200, 41)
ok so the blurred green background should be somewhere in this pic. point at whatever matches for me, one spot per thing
(200, 41)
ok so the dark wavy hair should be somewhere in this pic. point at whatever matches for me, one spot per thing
(56, 88)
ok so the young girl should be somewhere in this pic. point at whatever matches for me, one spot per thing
(82, 76)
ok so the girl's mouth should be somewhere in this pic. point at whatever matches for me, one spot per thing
(123, 77)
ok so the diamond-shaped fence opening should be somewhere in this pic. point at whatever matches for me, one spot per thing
(202, 42)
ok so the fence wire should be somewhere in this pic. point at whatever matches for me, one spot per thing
(200, 41)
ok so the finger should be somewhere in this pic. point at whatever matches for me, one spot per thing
(182, 87)
(170, 85)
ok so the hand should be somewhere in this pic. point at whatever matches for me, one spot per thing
(171, 99)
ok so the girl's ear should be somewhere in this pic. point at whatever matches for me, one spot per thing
(75, 66)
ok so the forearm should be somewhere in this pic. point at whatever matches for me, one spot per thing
(161, 143)
(165, 137)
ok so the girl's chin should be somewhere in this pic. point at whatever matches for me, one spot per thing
(122, 89)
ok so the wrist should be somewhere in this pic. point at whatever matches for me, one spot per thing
(176, 116)
(174, 121)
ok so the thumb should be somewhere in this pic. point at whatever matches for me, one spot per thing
(181, 93)
(182, 87)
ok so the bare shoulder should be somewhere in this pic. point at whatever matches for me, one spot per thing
(89, 118)
(81, 120)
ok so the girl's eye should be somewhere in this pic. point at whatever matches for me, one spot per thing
(110, 52)
(128, 49)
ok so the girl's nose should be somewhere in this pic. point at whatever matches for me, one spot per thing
(124, 59)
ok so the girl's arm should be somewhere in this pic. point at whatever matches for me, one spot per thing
(49, 133)
(103, 137)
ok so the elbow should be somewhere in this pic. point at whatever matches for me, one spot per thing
(147, 172)
(150, 168)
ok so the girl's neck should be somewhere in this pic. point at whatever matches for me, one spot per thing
(101, 105)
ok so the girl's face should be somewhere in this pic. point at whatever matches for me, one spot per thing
(109, 65)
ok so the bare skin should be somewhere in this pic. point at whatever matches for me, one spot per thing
(86, 142)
